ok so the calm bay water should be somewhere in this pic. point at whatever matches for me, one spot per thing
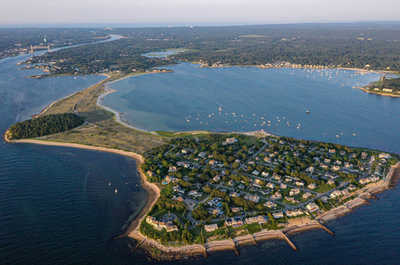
(59, 206)
(246, 98)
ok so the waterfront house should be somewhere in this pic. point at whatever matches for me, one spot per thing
(256, 220)
(159, 225)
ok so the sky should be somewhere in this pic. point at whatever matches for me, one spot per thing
(196, 12)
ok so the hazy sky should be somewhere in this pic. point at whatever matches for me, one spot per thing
(196, 12)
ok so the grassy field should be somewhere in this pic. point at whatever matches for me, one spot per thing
(101, 128)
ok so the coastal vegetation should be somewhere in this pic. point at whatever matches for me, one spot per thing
(45, 125)
(101, 127)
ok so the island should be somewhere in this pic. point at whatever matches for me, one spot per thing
(211, 191)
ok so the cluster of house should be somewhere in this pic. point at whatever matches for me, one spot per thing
(387, 90)
(291, 65)
(159, 225)
(285, 195)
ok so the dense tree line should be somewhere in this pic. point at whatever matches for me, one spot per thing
(45, 125)
(374, 46)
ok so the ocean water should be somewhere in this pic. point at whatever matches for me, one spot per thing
(59, 206)
(246, 98)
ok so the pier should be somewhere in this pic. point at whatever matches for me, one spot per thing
(290, 243)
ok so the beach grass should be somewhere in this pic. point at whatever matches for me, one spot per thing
(101, 127)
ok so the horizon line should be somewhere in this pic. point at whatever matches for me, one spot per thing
(181, 24)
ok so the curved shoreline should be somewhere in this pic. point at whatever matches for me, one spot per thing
(151, 188)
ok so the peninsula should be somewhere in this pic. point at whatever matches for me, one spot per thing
(384, 87)
(219, 191)
(211, 191)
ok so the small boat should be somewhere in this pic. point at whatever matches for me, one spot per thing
(308, 111)
(115, 190)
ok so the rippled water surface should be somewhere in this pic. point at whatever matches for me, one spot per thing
(248, 99)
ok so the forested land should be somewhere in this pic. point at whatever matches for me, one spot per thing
(44, 125)
(363, 45)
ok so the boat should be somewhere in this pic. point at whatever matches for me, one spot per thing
(115, 190)
(308, 111)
